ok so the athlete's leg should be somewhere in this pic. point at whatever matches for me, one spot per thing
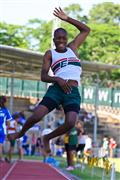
(37, 115)
(68, 158)
(70, 118)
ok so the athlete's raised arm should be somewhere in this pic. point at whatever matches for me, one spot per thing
(84, 30)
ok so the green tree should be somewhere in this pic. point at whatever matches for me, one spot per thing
(74, 10)
(106, 12)
(34, 33)
(103, 44)
(39, 34)
(13, 35)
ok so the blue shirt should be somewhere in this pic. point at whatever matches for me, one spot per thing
(4, 117)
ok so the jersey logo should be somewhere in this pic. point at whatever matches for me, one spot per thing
(63, 63)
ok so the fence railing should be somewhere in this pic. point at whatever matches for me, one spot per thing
(105, 96)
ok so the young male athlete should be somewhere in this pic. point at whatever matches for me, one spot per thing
(67, 70)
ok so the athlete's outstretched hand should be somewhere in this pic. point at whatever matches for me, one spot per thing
(58, 12)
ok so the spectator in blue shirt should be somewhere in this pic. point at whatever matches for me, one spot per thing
(5, 116)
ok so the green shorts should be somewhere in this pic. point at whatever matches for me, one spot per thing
(55, 96)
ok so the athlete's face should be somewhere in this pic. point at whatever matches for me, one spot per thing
(60, 40)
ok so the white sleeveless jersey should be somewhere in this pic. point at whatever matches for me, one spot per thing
(66, 65)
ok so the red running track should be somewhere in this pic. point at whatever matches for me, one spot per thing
(4, 167)
(23, 170)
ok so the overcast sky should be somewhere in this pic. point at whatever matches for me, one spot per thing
(20, 11)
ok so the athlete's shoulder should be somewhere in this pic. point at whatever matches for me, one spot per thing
(48, 54)
(72, 50)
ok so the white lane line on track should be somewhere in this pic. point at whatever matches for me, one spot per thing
(9, 171)
(65, 176)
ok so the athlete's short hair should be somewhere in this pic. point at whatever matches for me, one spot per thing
(60, 29)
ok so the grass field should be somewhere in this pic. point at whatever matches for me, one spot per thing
(94, 174)
(85, 174)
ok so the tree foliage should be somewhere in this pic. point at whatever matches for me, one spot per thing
(106, 12)
(13, 35)
(35, 33)
(75, 11)
(103, 43)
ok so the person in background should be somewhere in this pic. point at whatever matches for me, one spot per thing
(25, 144)
(70, 148)
(88, 146)
(22, 119)
(81, 144)
(112, 146)
(59, 146)
(81, 137)
(19, 142)
(5, 117)
(33, 143)
(46, 131)
(38, 146)
(12, 128)
(105, 147)
(60, 121)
